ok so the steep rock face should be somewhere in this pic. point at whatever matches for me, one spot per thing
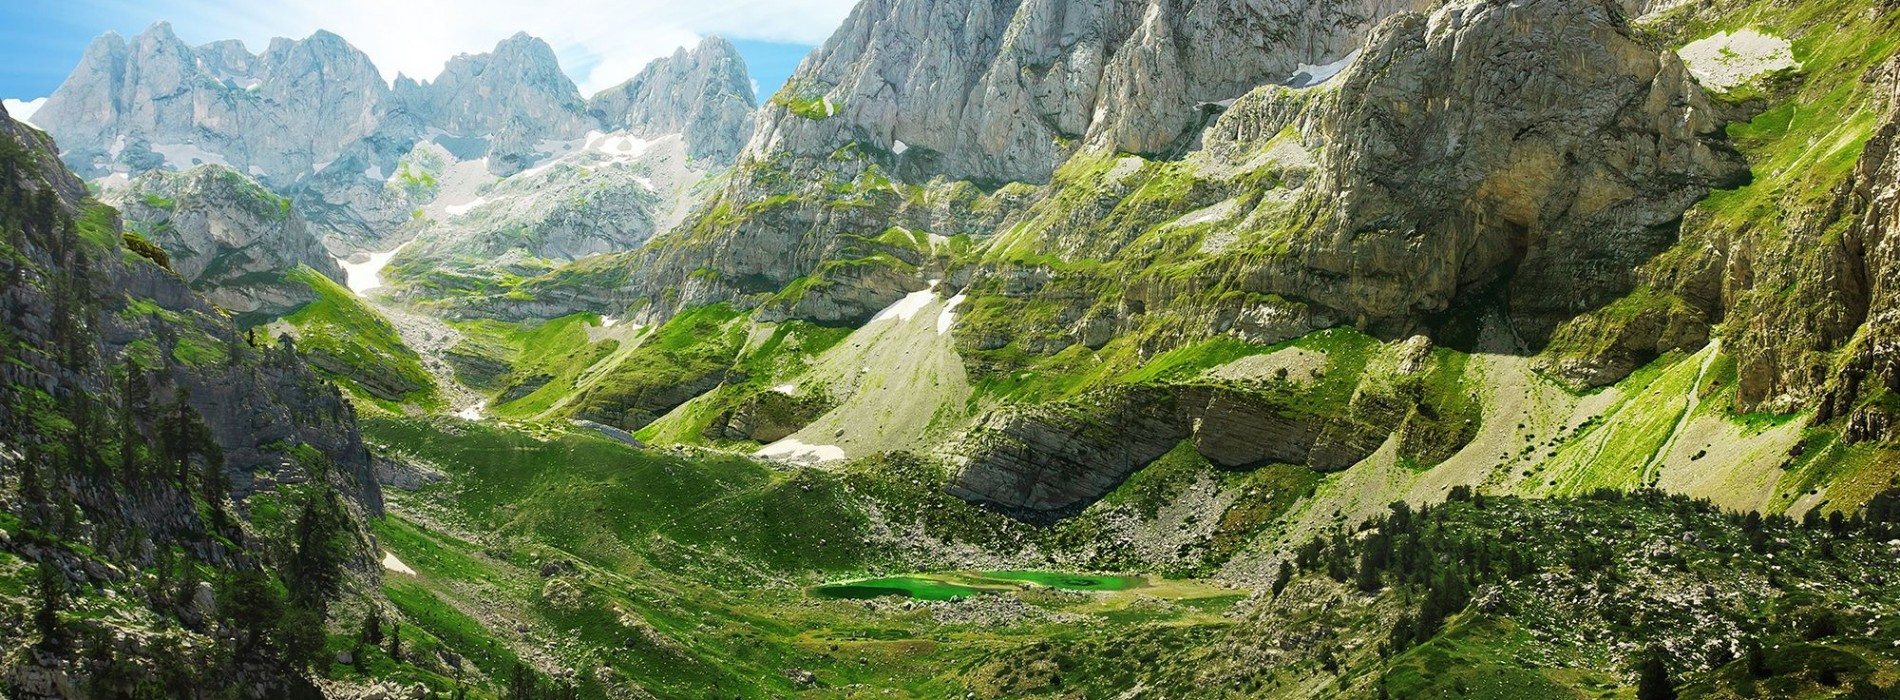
(514, 98)
(1534, 147)
(134, 413)
(228, 237)
(1059, 459)
(1530, 153)
(1814, 312)
(1053, 460)
(704, 94)
(991, 93)
(767, 417)
(1535, 142)
(255, 404)
(155, 102)
(995, 91)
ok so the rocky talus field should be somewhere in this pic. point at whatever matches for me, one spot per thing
(1115, 349)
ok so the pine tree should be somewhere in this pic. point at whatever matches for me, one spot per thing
(1653, 681)
(1756, 659)
(52, 585)
(1367, 579)
(252, 607)
(372, 633)
(522, 684)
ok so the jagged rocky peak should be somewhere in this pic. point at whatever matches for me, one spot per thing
(515, 97)
(227, 236)
(156, 102)
(1004, 91)
(704, 94)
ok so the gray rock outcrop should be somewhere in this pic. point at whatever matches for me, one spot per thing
(227, 236)
(511, 100)
(704, 94)
(1001, 92)
(180, 421)
(155, 102)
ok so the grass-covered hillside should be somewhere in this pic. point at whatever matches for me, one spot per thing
(610, 571)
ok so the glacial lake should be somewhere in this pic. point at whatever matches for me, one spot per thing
(964, 584)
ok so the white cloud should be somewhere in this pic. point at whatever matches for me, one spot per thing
(23, 111)
(600, 42)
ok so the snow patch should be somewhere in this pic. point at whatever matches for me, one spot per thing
(829, 108)
(1308, 75)
(183, 156)
(791, 450)
(948, 317)
(320, 167)
(368, 275)
(617, 149)
(23, 111)
(374, 173)
(787, 389)
(1211, 214)
(899, 147)
(1727, 61)
(608, 321)
(114, 181)
(460, 209)
(906, 308)
(472, 413)
(391, 563)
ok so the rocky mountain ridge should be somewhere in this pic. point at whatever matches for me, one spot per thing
(313, 118)
(1458, 176)
(1331, 260)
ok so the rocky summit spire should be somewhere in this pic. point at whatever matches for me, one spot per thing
(514, 96)
(705, 94)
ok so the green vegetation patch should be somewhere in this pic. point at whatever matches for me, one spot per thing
(353, 345)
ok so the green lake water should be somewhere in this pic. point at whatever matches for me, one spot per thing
(965, 584)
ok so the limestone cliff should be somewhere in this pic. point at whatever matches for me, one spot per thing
(704, 94)
(313, 119)
(155, 102)
(228, 237)
(509, 100)
(134, 413)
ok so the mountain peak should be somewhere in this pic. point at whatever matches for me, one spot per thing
(523, 43)
(704, 93)
(161, 29)
(716, 44)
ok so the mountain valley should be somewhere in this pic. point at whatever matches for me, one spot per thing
(1015, 349)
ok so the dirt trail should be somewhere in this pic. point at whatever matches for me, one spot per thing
(1648, 473)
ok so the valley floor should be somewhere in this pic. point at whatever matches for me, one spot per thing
(622, 572)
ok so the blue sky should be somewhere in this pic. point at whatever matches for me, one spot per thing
(601, 42)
